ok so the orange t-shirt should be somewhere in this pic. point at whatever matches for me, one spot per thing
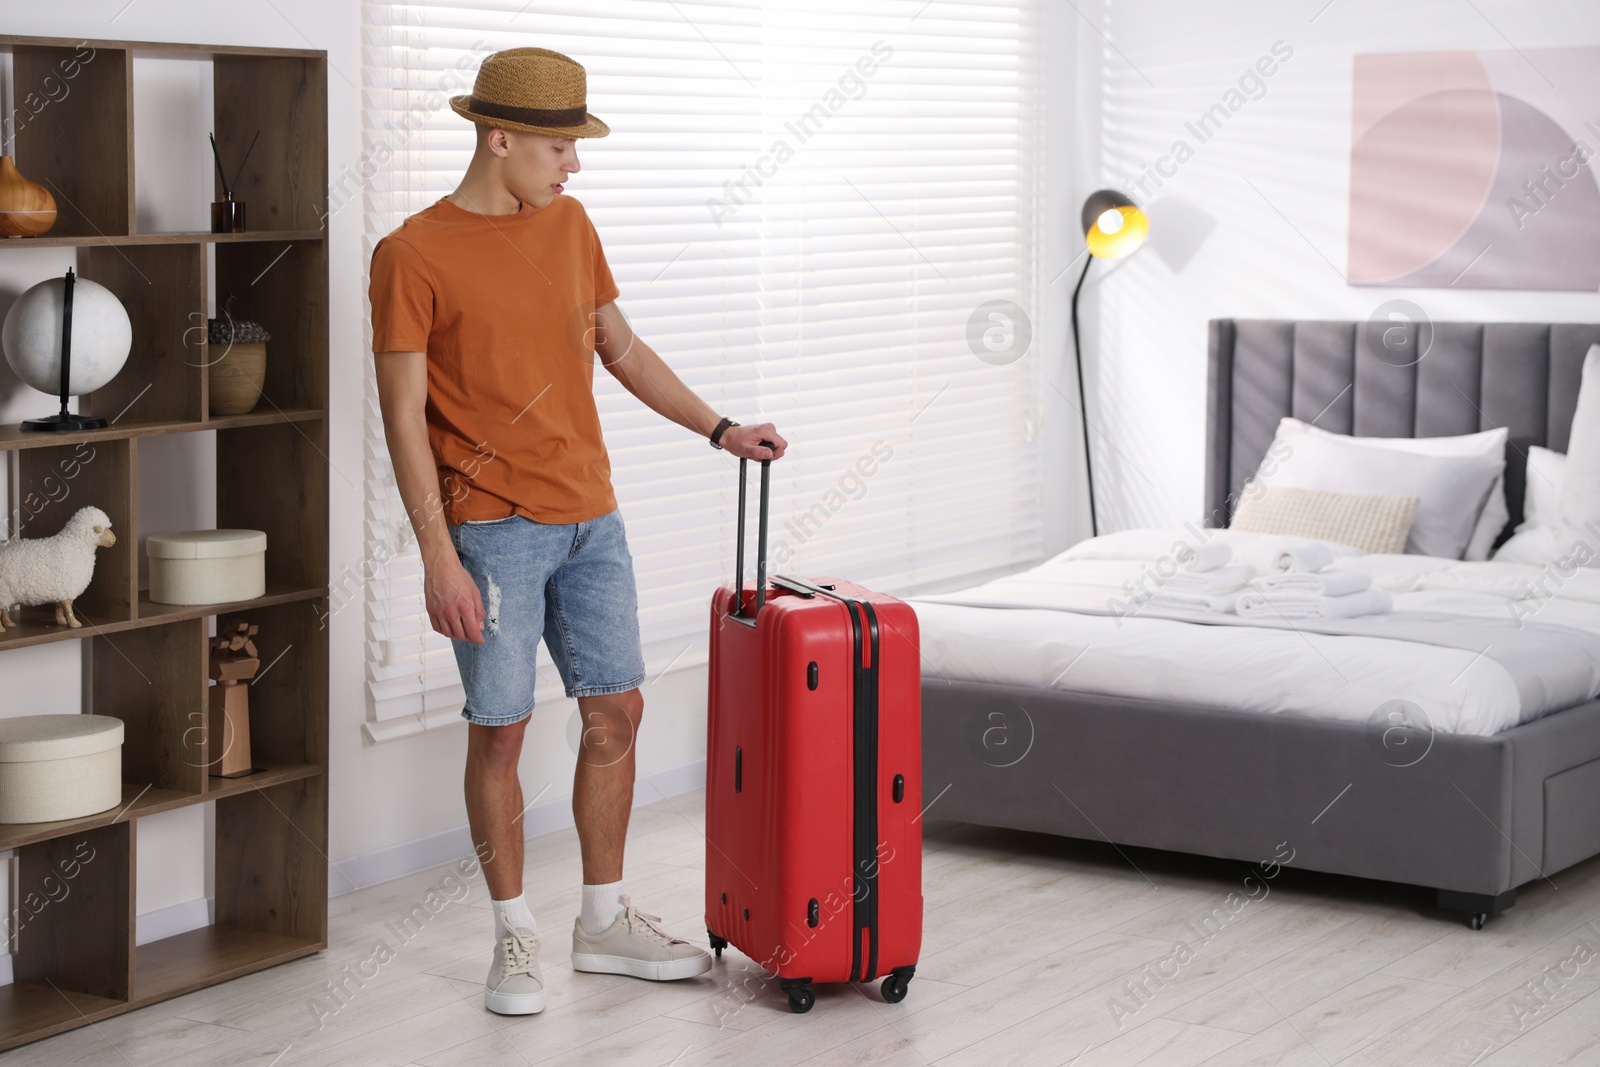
(502, 306)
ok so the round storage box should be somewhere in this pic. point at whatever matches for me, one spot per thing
(59, 766)
(207, 566)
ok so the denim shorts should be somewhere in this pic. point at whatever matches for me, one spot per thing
(572, 584)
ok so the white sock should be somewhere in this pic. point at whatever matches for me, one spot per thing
(601, 906)
(516, 913)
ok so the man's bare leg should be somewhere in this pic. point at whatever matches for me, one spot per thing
(602, 786)
(602, 797)
(514, 985)
(494, 804)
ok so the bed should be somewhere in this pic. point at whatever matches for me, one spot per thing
(1480, 814)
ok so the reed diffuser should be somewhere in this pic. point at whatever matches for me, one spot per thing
(227, 214)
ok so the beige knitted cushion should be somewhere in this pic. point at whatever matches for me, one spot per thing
(1376, 522)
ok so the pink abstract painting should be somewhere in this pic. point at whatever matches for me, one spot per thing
(1475, 170)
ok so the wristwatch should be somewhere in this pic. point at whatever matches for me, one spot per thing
(716, 435)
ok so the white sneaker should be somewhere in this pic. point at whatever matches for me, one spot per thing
(515, 985)
(633, 944)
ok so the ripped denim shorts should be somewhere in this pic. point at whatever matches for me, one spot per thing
(570, 583)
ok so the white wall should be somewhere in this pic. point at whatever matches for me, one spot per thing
(392, 807)
(1219, 248)
(1067, 85)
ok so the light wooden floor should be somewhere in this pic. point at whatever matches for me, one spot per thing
(1030, 943)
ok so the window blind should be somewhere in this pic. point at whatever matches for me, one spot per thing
(821, 214)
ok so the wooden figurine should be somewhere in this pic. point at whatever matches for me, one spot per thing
(233, 660)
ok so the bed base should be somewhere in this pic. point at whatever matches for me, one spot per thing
(1470, 817)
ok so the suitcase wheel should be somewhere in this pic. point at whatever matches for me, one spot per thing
(717, 943)
(801, 998)
(894, 986)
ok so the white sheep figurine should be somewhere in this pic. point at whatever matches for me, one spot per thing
(53, 570)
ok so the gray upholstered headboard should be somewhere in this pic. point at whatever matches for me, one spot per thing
(1473, 376)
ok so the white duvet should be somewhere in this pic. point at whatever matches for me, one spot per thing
(1032, 632)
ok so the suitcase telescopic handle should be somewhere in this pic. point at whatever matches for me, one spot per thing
(761, 540)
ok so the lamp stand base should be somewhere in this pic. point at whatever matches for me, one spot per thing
(64, 421)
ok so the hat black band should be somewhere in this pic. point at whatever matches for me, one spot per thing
(532, 116)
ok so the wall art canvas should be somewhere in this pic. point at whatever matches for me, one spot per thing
(1476, 170)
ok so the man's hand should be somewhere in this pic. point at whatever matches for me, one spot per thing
(746, 441)
(454, 606)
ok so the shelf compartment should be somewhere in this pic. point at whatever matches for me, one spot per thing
(288, 696)
(272, 887)
(285, 98)
(74, 132)
(283, 286)
(73, 918)
(162, 288)
(272, 861)
(54, 481)
(12, 438)
(32, 1010)
(154, 680)
(198, 958)
(292, 511)
(74, 912)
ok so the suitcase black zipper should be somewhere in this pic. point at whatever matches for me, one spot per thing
(866, 799)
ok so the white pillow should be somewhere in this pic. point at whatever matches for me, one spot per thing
(1533, 545)
(1541, 501)
(1580, 490)
(1490, 444)
(1539, 533)
(1451, 490)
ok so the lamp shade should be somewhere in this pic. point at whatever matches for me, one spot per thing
(1113, 225)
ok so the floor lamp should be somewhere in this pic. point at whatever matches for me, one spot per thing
(1113, 227)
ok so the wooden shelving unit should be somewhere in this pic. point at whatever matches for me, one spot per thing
(75, 960)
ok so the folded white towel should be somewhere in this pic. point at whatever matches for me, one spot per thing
(1311, 556)
(1167, 600)
(1257, 605)
(1221, 580)
(1210, 556)
(1332, 582)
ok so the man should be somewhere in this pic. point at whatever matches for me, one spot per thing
(487, 310)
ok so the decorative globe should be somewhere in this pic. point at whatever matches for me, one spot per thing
(102, 336)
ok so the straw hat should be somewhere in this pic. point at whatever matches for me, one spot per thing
(533, 90)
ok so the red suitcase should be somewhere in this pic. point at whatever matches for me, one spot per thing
(814, 779)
